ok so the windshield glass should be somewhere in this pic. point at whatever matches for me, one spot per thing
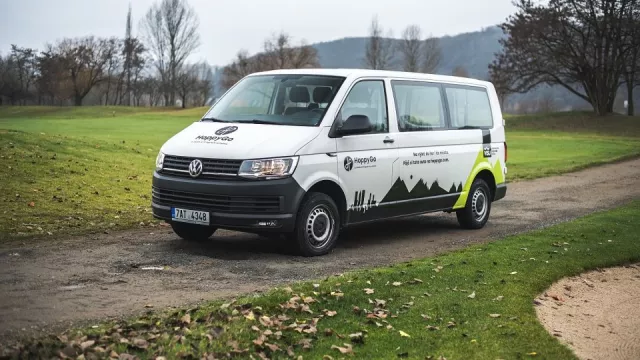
(299, 100)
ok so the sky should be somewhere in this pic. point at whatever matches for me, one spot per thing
(226, 26)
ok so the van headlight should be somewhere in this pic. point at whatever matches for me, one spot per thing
(276, 168)
(159, 161)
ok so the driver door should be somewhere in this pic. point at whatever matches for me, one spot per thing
(365, 161)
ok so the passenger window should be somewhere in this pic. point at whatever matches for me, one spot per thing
(469, 107)
(419, 106)
(367, 97)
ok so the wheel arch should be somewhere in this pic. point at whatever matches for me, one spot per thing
(488, 177)
(335, 191)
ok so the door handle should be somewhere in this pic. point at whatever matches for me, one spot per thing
(388, 140)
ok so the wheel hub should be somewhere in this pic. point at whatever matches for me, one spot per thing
(320, 226)
(479, 204)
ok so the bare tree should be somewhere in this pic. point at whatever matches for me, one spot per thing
(546, 103)
(410, 47)
(170, 29)
(378, 51)
(460, 71)
(187, 82)
(22, 63)
(239, 68)
(432, 55)
(631, 54)
(83, 62)
(112, 50)
(503, 84)
(279, 53)
(576, 44)
(204, 86)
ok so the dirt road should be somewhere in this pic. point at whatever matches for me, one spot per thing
(57, 283)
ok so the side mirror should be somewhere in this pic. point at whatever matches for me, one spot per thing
(355, 124)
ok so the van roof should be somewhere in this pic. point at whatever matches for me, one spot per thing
(382, 73)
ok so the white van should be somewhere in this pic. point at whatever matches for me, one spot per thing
(308, 152)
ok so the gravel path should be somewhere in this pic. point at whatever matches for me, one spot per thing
(52, 284)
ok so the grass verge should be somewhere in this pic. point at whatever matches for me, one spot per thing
(474, 303)
(77, 170)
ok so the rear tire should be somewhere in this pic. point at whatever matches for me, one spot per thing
(476, 212)
(317, 225)
(193, 233)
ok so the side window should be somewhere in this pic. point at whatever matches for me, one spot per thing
(367, 97)
(469, 107)
(419, 106)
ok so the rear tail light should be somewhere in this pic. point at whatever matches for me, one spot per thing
(505, 152)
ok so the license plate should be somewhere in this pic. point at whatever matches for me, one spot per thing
(190, 216)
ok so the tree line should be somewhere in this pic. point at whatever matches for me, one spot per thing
(589, 47)
(149, 70)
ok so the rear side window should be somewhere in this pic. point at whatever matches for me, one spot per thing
(419, 106)
(469, 106)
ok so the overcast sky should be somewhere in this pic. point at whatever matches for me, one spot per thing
(229, 25)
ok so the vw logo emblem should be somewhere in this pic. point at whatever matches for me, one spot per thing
(195, 168)
(348, 163)
(226, 130)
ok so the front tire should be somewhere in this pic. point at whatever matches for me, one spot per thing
(476, 212)
(317, 225)
(193, 233)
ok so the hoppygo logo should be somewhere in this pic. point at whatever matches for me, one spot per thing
(220, 136)
(358, 162)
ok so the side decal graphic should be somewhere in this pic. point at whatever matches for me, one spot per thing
(399, 200)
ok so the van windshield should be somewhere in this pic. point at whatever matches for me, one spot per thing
(299, 100)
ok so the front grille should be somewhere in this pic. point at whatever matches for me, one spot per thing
(211, 168)
(217, 203)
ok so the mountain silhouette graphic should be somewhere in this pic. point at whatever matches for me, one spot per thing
(399, 191)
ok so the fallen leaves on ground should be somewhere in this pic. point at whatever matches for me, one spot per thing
(347, 349)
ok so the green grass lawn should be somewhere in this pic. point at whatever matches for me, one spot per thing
(475, 303)
(67, 170)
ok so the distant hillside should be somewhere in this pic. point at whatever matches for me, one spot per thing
(474, 51)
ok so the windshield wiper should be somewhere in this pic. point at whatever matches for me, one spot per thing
(256, 121)
(213, 120)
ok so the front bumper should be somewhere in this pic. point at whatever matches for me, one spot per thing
(253, 206)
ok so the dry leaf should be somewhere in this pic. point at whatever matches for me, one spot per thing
(186, 319)
(494, 315)
(357, 338)
(472, 295)
(87, 344)
(396, 283)
(347, 349)
(369, 291)
(404, 334)
(140, 343)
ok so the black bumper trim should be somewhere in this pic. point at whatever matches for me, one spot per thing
(284, 221)
(501, 192)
